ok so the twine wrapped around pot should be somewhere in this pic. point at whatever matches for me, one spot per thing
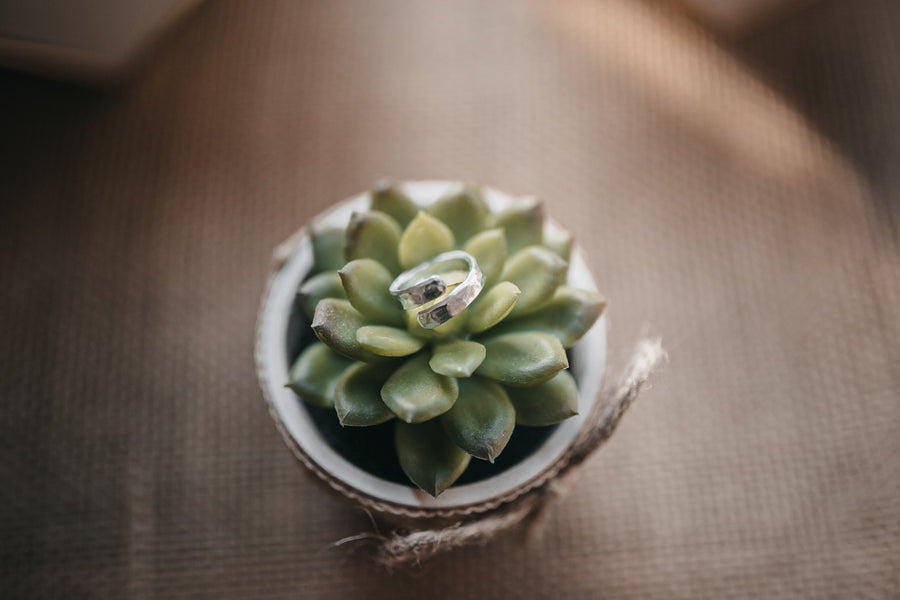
(404, 546)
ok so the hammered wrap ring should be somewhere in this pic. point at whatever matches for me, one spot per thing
(419, 285)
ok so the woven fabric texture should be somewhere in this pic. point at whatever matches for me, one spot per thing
(738, 198)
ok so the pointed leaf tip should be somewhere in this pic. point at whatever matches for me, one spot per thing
(315, 373)
(318, 287)
(482, 420)
(428, 457)
(357, 396)
(335, 323)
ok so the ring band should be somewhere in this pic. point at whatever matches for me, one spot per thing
(413, 288)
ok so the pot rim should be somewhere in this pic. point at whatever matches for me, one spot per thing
(293, 262)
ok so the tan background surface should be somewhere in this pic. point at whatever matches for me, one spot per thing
(741, 199)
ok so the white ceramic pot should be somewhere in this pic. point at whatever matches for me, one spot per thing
(310, 446)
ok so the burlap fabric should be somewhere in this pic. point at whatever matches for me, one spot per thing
(741, 200)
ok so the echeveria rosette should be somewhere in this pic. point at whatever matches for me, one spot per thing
(458, 390)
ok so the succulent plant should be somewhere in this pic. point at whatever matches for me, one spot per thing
(456, 390)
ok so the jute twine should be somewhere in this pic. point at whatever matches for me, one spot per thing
(404, 546)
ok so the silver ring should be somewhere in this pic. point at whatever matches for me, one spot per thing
(416, 287)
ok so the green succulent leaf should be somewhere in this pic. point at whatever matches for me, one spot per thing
(558, 240)
(424, 238)
(318, 287)
(393, 202)
(428, 457)
(523, 222)
(375, 235)
(315, 374)
(357, 396)
(521, 359)
(547, 403)
(492, 306)
(537, 272)
(568, 316)
(328, 248)
(366, 283)
(482, 420)
(387, 341)
(464, 211)
(335, 323)
(415, 393)
(489, 249)
(457, 358)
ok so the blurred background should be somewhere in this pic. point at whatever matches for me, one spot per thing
(732, 175)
